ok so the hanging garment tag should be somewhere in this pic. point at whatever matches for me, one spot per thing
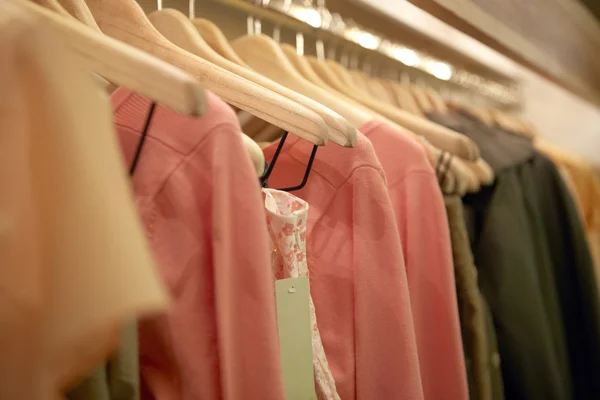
(293, 319)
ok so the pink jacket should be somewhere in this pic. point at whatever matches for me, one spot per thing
(357, 272)
(421, 219)
(200, 200)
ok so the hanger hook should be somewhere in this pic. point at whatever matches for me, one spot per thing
(192, 9)
(265, 177)
(299, 43)
(142, 141)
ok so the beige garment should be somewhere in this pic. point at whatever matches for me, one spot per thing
(584, 184)
(479, 339)
(74, 263)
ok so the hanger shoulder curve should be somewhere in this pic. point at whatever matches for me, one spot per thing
(217, 40)
(302, 65)
(126, 21)
(359, 79)
(441, 137)
(421, 98)
(437, 101)
(264, 54)
(126, 66)
(79, 10)
(179, 30)
(340, 130)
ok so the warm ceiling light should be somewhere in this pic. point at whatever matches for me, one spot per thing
(362, 38)
(368, 41)
(308, 15)
(407, 56)
(440, 70)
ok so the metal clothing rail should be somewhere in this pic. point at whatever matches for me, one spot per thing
(305, 18)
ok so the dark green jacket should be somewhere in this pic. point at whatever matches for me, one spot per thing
(536, 272)
(118, 378)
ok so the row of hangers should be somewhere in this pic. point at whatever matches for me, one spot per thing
(315, 99)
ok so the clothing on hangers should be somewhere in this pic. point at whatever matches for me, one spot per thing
(535, 269)
(286, 221)
(198, 196)
(584, 184)
(421, 220)
(357, 275)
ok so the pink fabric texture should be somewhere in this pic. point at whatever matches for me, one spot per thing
(199, 198)
(286, 222)
(421, 219)
(357, 273)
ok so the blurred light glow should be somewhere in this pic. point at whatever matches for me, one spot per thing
(440, 70)
(364, 39)
(407, 56)
(368, 41)
(308, 15)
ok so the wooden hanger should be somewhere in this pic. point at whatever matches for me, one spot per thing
(126, 66)
(421, 98)
(528, 129)
(180, 30)
(456, 180)
(473, 184)
(359, 79)
(58, 8)
(379, 91)
(302, 65)
(366, 84)
(439, 136)
(256, 155)
(387, 84)
(436, 100)
(177, 28)
(126, 21)
(405, 99)
(483, 170)
(217, 40)
(460, 178)
(76, 9)
(263, 54)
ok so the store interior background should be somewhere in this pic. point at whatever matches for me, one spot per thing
(563, 117)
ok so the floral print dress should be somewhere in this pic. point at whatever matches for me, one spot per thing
(286, 220)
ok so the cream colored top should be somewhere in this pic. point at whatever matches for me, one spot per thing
(74, 262)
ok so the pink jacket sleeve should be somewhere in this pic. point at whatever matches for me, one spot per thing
(244, 289)
(387, 366)
(207, 228)
(423, 224)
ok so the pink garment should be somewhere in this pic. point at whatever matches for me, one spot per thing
(200, 201)
(286, 222)
(421, 220)
(357, 274)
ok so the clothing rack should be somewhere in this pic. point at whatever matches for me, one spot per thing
(407, 64)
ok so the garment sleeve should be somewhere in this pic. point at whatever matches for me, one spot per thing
(421, 217)
(244, 286)
(386, 356)
(75, 262)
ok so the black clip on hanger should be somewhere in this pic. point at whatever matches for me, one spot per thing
(265, 177)
(138, 150)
